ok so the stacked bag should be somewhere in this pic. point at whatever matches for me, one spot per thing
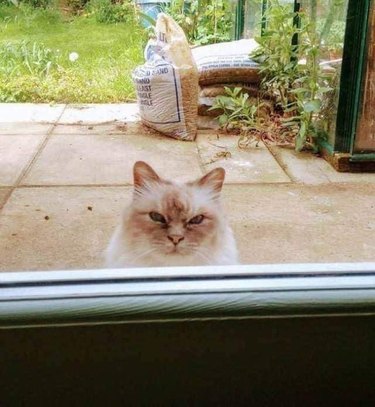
(226, 64)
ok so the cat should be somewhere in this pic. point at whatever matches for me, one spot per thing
(173, 224)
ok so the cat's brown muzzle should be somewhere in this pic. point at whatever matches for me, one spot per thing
(175, 239)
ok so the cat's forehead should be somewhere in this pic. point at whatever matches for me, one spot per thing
(174, 199)
(176, 202)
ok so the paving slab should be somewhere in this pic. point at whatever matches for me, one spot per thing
(107, 129)
(298, 223)
(253, 165)
(101, 160)
(58, 228)
(16, 152)
(359, 178)
(30, 128)
(99, 113)
(30, 112)
(302, 167)
(307, 168)
(69, 227)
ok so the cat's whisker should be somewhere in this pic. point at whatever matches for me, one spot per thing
(145, 253)
(201, 254)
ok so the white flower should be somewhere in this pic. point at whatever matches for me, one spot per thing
(73, 56)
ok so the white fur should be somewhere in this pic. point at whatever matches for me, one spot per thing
(118, 255)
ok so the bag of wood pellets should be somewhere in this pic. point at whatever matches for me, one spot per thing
(227, 62)
(167, 84)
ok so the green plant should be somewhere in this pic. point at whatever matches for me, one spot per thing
(276, 54)
(236, 109)
(34, 58)
(241, 113)
(204, 21)
(309, 91)
(109, 12)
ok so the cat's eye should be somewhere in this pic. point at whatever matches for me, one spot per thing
(156, 217)
(196, 220)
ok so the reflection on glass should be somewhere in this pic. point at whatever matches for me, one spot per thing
(326, 22)
(328, 18)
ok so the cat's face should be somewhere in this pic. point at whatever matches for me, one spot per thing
(175, 219)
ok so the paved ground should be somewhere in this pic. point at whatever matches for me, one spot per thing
(65, 174)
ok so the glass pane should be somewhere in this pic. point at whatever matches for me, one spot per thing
(253, 18)
(253, 13)
(328, 19)
(327, 22)
(66, 168)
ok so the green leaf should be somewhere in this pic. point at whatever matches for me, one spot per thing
(312, 106)
(299, 90)
(299, 143)
(325, 89)
(236, 91)
(223, 119)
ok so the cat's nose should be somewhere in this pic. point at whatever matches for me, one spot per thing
(175, 239)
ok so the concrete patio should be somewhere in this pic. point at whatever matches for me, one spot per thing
(65, 175)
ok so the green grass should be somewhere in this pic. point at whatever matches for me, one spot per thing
(34, 57)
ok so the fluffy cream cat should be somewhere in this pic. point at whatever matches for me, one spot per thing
(173, 224)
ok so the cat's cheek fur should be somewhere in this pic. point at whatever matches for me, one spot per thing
(201, 233)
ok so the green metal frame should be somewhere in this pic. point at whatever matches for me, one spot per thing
(240, 19)
(352, 72)
(264, 22)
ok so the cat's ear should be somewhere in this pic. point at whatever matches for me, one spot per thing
(213, 180)
(143, 174)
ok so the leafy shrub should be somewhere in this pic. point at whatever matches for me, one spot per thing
(110, 12)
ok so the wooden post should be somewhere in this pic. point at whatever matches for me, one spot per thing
(365, 138)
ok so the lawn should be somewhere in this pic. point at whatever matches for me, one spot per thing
(35, 45)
